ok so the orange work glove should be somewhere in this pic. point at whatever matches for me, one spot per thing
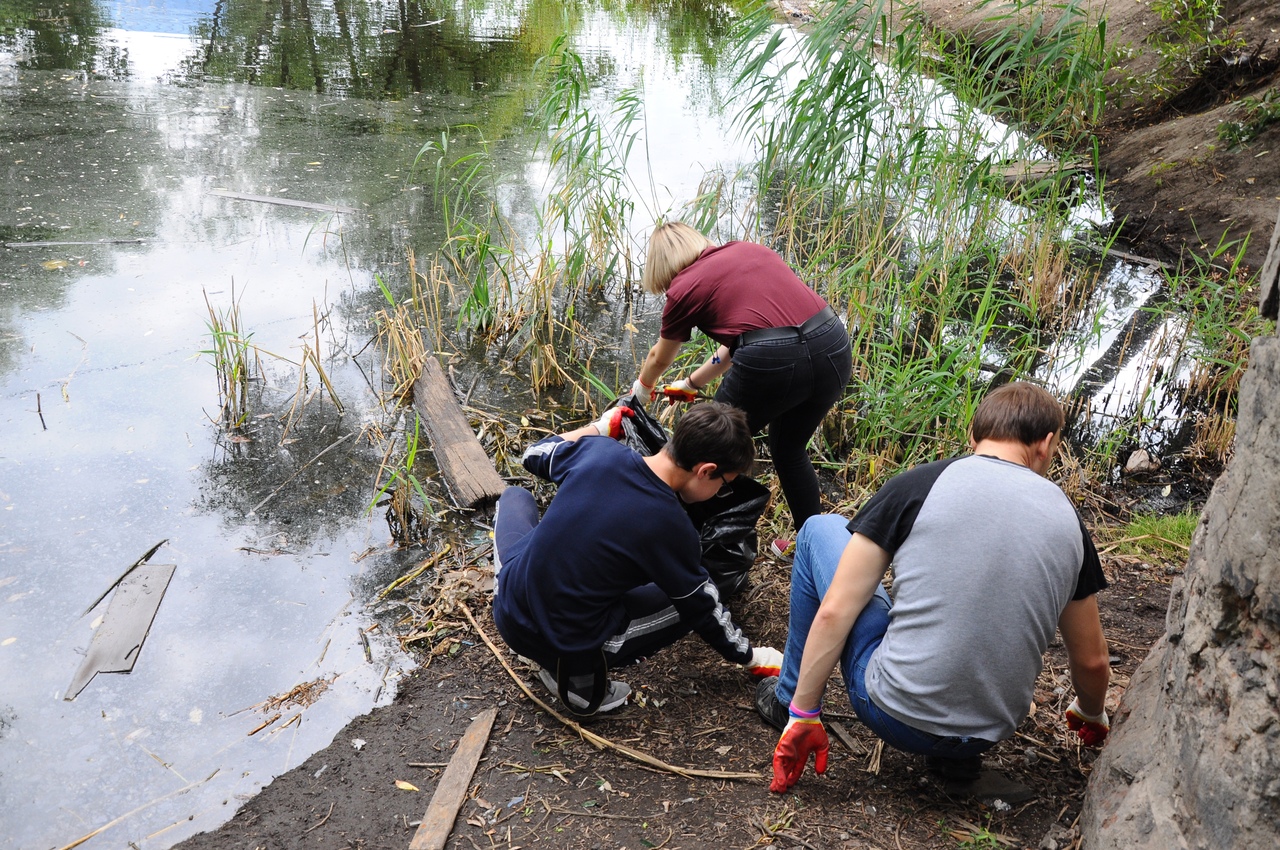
(1091, 729)
(610, 424)
(803, 735)
(681, 390)
(765, 661)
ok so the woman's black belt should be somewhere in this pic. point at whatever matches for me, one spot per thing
(825, 315)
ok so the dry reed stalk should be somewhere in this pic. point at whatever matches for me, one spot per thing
(598, 741)
(1215, 436)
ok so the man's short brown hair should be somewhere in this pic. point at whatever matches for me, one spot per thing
(1018, 412)
(712, 433)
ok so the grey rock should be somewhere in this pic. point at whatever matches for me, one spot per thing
(1195, 750)
(1141, 462)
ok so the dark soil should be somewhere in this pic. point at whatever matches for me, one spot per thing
(540, 784)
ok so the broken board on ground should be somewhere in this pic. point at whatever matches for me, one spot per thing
(118, 640)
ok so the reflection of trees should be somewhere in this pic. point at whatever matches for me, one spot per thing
(392, 48)
(60, 36)
(375, 48)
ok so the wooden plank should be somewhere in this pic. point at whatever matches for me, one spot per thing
(60, 244)
(845, 738)
(467, 470)
(283, 202)
(1269, 280)
(117, 642)
(1017, 173)
(436, 825)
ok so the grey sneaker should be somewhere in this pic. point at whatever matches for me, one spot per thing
(767, 703)
(615, 695)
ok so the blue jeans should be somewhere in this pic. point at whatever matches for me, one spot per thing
(818, 550)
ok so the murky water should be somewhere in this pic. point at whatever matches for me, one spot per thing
(119, 121)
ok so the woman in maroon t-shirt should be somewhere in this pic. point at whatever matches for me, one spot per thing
(789, 351)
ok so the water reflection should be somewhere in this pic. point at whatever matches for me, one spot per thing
(350, 48)
(120, 118)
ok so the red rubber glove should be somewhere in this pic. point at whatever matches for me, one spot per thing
(681, 390)
(1091, 729)
(801, 737)
(765, 661)
(610, 424)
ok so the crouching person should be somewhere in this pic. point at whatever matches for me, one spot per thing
(613, 572)
(989, 558)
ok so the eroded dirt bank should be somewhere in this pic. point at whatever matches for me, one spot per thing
(1169, 178)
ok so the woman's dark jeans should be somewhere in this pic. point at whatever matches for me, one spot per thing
(789, 385)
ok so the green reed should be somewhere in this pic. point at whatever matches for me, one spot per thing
(235, 360)
(533, 289)
(951, 274)
(399, 484)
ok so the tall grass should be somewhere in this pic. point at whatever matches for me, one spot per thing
(886, 197)
(534, 289)
(885, 191)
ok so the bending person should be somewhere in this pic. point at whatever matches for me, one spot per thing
(613, 572)
(989, 558)
(789, 350)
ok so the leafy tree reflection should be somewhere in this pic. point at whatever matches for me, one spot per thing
(60, 36)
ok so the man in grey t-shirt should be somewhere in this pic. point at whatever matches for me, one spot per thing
(989, 559)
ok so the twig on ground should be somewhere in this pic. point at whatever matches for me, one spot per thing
(845, 738)
(1115, 543)
(592, 738)
(873, 763)
(412, 574)
(322, 820)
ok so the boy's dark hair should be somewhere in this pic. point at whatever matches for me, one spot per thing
(712, 432)
(1019, 411)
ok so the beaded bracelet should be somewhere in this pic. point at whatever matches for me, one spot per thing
(802, 713)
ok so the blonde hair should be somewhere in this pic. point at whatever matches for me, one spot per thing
(673, 247)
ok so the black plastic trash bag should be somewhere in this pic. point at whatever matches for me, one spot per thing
(641, 432)
(726, 522)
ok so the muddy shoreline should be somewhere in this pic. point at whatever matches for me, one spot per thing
(540, 784)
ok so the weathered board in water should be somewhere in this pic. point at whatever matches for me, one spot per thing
(117, 642)
(467, 470)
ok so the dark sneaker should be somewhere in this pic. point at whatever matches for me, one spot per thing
(615, 694)
(773, 711)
